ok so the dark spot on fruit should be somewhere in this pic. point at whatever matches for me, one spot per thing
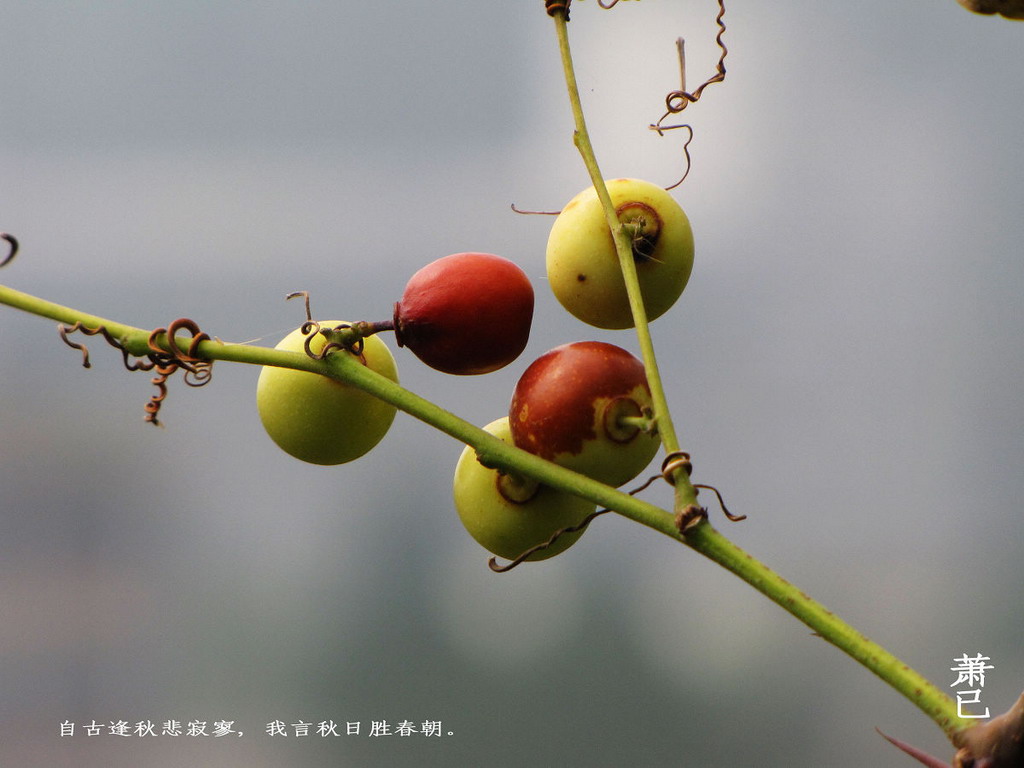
(581, 278)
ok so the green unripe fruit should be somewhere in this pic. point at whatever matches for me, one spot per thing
(317, 419)
(508, 515)
(582, 264)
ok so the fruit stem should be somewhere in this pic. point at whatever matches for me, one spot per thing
(642, 423)
(686, 494)
(369, 329)
(495, 452)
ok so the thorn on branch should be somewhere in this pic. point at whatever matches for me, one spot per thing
(922, 757)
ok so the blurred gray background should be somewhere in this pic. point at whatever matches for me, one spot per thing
(845, 365)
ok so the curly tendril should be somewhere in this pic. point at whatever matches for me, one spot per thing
(681, 460)
(677, 101)
(165, 362)
(685, 518)
(354, 341)
(493, 562)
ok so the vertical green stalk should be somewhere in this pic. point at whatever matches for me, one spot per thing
(703, 537)
(685, 493)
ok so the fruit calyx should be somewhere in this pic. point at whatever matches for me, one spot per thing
(643, 225)
(622, 417)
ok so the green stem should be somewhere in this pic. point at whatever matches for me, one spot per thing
(686, 494)
(936, 704)
(703, 537)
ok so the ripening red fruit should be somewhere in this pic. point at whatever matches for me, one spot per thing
(573, 406)
(467, 313)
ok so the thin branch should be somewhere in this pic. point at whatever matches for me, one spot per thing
(698, 532)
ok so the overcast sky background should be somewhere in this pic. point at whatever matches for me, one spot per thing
(845, 365)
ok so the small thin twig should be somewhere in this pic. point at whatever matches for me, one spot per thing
(534, 213)
(681, 51)
(309, 314)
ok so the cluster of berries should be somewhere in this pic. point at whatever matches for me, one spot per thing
(585, 405)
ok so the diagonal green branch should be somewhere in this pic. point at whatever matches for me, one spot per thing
(493, 452)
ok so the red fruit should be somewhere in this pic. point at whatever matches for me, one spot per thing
(568, 408)
(466, 313)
